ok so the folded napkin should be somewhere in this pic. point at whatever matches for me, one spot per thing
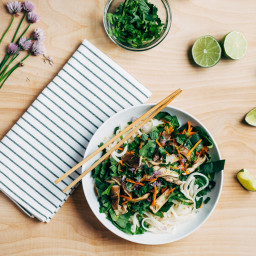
(51, 137)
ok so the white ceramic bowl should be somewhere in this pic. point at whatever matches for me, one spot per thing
(106, 130)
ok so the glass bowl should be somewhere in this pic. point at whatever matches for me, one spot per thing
(164, 13)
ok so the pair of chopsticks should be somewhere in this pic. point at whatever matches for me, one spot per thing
(143, 119)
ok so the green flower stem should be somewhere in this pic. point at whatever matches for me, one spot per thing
(24, 15)
(15, 55)
(5, 59)
(13, 16)
(6, 76)
(23, 33)
(5, 80)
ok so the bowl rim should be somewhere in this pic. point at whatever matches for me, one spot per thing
(132, 236)
(168, 26)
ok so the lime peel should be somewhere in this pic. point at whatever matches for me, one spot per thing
(250, 118)
(246, 180)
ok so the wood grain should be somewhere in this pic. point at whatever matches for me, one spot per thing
(219, 97)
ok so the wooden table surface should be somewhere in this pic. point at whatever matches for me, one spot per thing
(219, 97)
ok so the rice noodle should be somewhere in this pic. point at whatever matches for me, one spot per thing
(189, 189)
(135, 222)
(178, 213)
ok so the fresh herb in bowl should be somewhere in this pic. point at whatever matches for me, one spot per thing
(135, 23)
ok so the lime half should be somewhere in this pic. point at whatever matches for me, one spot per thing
(246, 180)
(206, 51)
(234, 45)
(250, 118)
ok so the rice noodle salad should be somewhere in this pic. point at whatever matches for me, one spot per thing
(157, 179)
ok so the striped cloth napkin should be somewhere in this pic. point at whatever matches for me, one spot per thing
(51, 137)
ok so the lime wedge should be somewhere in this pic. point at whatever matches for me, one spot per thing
(246, 180)
(206, 51)
(250, 118)
(234, 45)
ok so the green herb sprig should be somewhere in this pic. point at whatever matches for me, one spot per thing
(135, 23)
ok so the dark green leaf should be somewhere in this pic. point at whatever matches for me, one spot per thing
(212, 167)
(107, 190)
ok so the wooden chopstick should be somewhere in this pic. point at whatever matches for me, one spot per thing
(157, 110)
(116, 137)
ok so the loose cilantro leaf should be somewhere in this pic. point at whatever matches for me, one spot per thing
(181, 138)
(144, 137)
(173, 120)
(148, 149)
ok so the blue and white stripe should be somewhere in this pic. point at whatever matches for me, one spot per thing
(52, 135)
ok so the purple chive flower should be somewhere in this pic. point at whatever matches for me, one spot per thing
(14, 7)
(38, 34)
(156, 183)
(183, 160)
(136, 187)
(149, 199)
(132, 169)
(25, 44)
(37, 48)
(12, 48)
(156, 174)
(33, 17)
(28, 6)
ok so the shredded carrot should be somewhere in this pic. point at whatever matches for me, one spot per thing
(157, 142)
(120, 170)
(163, 189)
(130, 152)
(120, 162)
(201, 205)
(166, 129)
(190, 133)
(142, 179)
(120, 149)
(171, 191)
(204, 150)
(126, 197)
(189, 127)
(154, 196)
(141, 144)
(171, 129)
(151, 181)
(135, 182)
(183, 169)
(192, 149)
(165, 121)
(125, 202)
(177, 168)
(197, 154)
